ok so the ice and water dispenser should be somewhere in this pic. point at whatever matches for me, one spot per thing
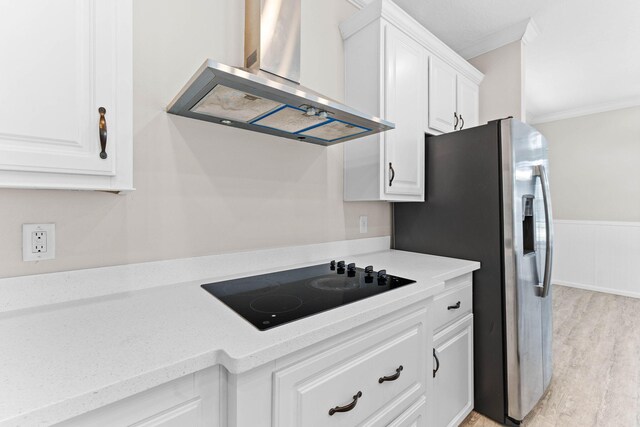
(528, 225)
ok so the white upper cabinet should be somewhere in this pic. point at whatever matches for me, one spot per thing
(442, 96)
(399, 71)
(453, 98)
(61, 62)
(468, 97)
(405, 105)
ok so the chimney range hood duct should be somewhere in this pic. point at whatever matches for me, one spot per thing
(265, 96)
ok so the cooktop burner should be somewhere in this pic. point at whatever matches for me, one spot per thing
(270, 300)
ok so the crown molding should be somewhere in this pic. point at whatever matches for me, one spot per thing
(395, 15)
(526, 31)
(531, 32)
(585, 111)
(358, 3)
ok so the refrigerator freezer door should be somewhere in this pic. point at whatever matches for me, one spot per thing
(527, 311)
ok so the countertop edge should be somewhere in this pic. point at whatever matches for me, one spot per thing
(239, 364)
(428, 285)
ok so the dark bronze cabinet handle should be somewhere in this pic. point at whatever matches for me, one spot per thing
(393, 174)
(392, 377)
(462, 122)
(454, 307)
(103, 132)
(346, 408)
(455, 116)
(437, 363)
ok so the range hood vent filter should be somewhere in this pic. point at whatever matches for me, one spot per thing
(289, 119)
(227, 103)
(267, 98)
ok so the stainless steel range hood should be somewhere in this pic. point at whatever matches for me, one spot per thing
(265, 96)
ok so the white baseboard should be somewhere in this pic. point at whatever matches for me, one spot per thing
(599, 289)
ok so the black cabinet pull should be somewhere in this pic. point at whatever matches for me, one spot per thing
(462, 122)
(454, 307)
(437, 363)
(393, 174)
(102, 127)
(455, 116)
(391, 377)
(346, 408)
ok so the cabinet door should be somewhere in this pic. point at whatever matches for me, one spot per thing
(442, 96)
(453, 382)
(61, 62)
(468, 97)
(416, 416)
(405, 105)
(193, 400)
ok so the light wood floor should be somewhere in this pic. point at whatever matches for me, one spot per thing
(596, 380)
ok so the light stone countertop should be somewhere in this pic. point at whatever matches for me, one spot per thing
(61, 360)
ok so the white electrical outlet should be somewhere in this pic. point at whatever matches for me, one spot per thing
(364, 224)
(38, 242)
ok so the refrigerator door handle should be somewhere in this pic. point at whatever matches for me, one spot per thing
(540, 172)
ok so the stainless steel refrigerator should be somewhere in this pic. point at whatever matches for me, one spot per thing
(488, 200)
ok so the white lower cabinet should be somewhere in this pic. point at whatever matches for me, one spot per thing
(192, 400)
(415, 416)
(453, 373)
(368, 380)
(378, 374)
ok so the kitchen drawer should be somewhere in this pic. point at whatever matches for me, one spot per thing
(305, 392)
(415, 416)
(451, 305)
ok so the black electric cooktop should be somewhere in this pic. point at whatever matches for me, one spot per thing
(270, 300)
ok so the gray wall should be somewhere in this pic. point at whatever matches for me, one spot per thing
(201, 188)
(595, 166)
(502, 89)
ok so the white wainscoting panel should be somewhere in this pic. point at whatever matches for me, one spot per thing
(598, 255)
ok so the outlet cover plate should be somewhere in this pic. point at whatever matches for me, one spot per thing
(364, 224)
(28, 231)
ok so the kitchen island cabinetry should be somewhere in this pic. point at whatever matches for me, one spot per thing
(66, 93)
(398, 70)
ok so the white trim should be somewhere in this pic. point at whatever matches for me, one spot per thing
(585, 111)
(358, 3)
(598, 223)
(392, 13)
(531, 32)
(526, 31)
(598, 289)
(54, 288)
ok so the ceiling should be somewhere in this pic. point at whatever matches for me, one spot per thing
(586, 57)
